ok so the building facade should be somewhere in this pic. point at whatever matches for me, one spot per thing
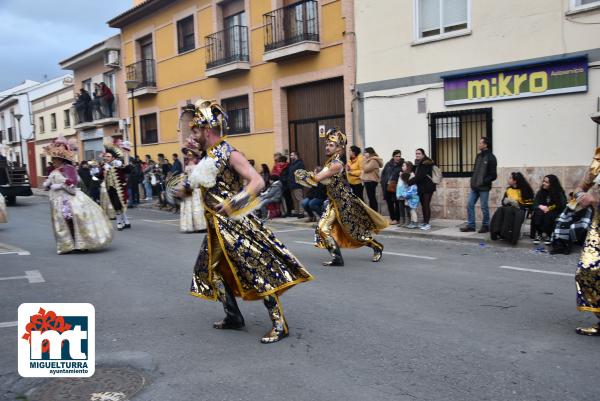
(281, 68)
(99, 120)
(440, 74)
(53, 117)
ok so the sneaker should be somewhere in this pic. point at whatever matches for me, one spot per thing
(425, 227)
(537, 239)
(547, 241)
(411, 225)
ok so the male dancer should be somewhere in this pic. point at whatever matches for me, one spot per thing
(587, 277)
(347, 221)
(115, 179)
(239, 256)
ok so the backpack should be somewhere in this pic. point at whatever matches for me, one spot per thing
(436, 175)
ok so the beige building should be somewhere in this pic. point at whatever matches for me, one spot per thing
(52, 116)
(440, 74)
(99, 121)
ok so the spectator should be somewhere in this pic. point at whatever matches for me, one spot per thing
(516, 203)
(270, 199)
(281, 171)
(94, 187)
(426, 187)
(265, 173)
(312, 204)
(571, 227)
(295, 188)
(164, 165)
(354, 171)
(280, 165)
(85, 176)
(403, 209)
(176, 168)
(97, 103)
(549, 202)
(389, 180)
(409, 196)
(370, 175)
(484, 173)
(148, 172)
(107, 99)
(133, 182)
(83, 106)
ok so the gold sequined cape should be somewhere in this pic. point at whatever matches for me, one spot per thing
(255, 262)
(90, 226)
(587, 277)
(355, 222)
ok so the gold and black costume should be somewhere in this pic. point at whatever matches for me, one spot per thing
(239, 256)
(115, 181)
(587, 277)
(347, 221)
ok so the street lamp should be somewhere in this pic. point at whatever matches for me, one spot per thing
(131, 85)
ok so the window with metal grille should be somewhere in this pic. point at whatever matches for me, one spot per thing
(185, 34)
(239, 114)
(455, 137)
(149, 127)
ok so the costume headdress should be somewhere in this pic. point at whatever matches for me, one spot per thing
(61, 148)
(203, 113)
(118, 148)
(336, 136)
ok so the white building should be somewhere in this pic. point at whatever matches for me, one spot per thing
(16, 117)
(440, 74)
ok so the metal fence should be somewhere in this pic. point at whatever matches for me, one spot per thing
(143, 72)
(227, 46)
(291, 24)
(455, 137)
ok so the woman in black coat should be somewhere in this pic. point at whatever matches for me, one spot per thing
(425, 186)
(390, 173)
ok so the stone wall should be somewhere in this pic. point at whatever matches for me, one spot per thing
(450, 199)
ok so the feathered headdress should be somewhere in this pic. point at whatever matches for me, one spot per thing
(118, 148)
(336, 136)
(62, 149)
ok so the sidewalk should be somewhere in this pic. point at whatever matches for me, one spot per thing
(441, 229)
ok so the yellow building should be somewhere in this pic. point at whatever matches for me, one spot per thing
(282, 69)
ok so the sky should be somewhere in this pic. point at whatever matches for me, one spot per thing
(36, 34)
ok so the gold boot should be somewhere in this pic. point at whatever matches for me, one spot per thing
(336, 253)
(589, 331)
(280, 328)
(377, 250)
(233, 317)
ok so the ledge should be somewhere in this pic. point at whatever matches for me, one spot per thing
(444, 36)
(583, 9)
(292, 50)
(227, 69)
(97, 123)
(147, 90)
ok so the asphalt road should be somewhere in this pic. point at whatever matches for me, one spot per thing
(433, 321)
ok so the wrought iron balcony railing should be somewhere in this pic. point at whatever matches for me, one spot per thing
(227, 46)
(298, 22)
(143, 72)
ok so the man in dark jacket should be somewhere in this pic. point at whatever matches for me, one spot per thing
(484, 173)
(294, 187)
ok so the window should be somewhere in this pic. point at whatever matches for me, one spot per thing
(438, 17)
(9, 133)
(149, 127)
(583, 4)
(41, 120)
(67, 118)
(43, 165)
(239, 115)
(185, 34)
(455, 138)
(53, 121)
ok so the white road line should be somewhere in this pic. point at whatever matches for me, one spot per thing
(8, 324)
(292, 230)
(161, 221)
(33, 276)
(406, 255)
(537, 271)
(20, 253)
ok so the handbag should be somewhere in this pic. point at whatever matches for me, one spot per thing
(391, 186)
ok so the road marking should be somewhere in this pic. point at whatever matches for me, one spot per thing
(537, 271)
(6, 249)
(33, 276)
(20, 253)
(174, 222)
(8, 324)
(406, 255)
(292, 230)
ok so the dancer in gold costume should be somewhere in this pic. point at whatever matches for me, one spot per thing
(347, 221)
(239, 256)
(587, 277)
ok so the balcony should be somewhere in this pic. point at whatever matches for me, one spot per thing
(143, 72)
(291, 31)
(95, 114)
(227, 51)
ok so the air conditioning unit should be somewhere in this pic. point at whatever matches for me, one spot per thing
(112, 58)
